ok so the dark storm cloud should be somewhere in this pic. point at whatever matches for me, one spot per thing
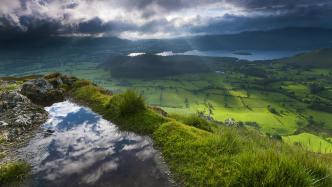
(315, 15)
(158, 18)
(277, 4)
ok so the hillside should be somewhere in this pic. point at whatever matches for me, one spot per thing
(321, 58)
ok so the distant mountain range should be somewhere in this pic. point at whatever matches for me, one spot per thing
(280, 39)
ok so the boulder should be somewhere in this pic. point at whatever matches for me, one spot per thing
(41, 92)
(18, 115)
(9, 100)
(159, 110)
(57, 79)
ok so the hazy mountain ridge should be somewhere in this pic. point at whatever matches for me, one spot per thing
(295, 38)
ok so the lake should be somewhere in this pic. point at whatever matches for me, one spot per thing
(250, 55)
(87, 150)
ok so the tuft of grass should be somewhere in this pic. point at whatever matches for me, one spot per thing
(13, 172)
(82, 83)
(279, 168)
(10, 87)
(127, 103)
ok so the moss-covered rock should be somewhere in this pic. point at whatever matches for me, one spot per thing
(41, 92)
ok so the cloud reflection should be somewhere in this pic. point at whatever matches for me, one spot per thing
(91, 148)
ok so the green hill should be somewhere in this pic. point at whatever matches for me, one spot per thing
(314, 59)
(154, 66)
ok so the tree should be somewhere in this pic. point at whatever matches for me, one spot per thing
(186, 102)
(316, 88)
(210, 108)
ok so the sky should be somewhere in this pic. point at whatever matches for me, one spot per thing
(155, 19)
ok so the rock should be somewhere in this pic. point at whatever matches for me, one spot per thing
(231, 122)
(41, 92)
(3, 124)
(69, 80)
(18, 115)
(276, 137)
(9, 100)
(57, 79)
(56, 82)
(50, 131)
(159, 110)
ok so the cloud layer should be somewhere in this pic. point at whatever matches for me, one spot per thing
(137, 19)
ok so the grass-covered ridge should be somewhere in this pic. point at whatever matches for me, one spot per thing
(236, 157)
(203, 154)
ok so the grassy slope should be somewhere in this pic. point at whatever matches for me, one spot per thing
(219, 157)
(235, 157)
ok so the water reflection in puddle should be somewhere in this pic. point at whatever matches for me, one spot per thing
(86, 150)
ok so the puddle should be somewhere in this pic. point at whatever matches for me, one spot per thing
(83, 149)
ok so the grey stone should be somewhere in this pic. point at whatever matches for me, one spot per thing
(18, 115)
(41, 92)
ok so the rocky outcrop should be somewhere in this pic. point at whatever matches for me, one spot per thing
(22, 111)
(57, 79)
(41, 92)
(18, 115)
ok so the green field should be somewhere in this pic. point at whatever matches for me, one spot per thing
(188, 94)
(310, 142)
